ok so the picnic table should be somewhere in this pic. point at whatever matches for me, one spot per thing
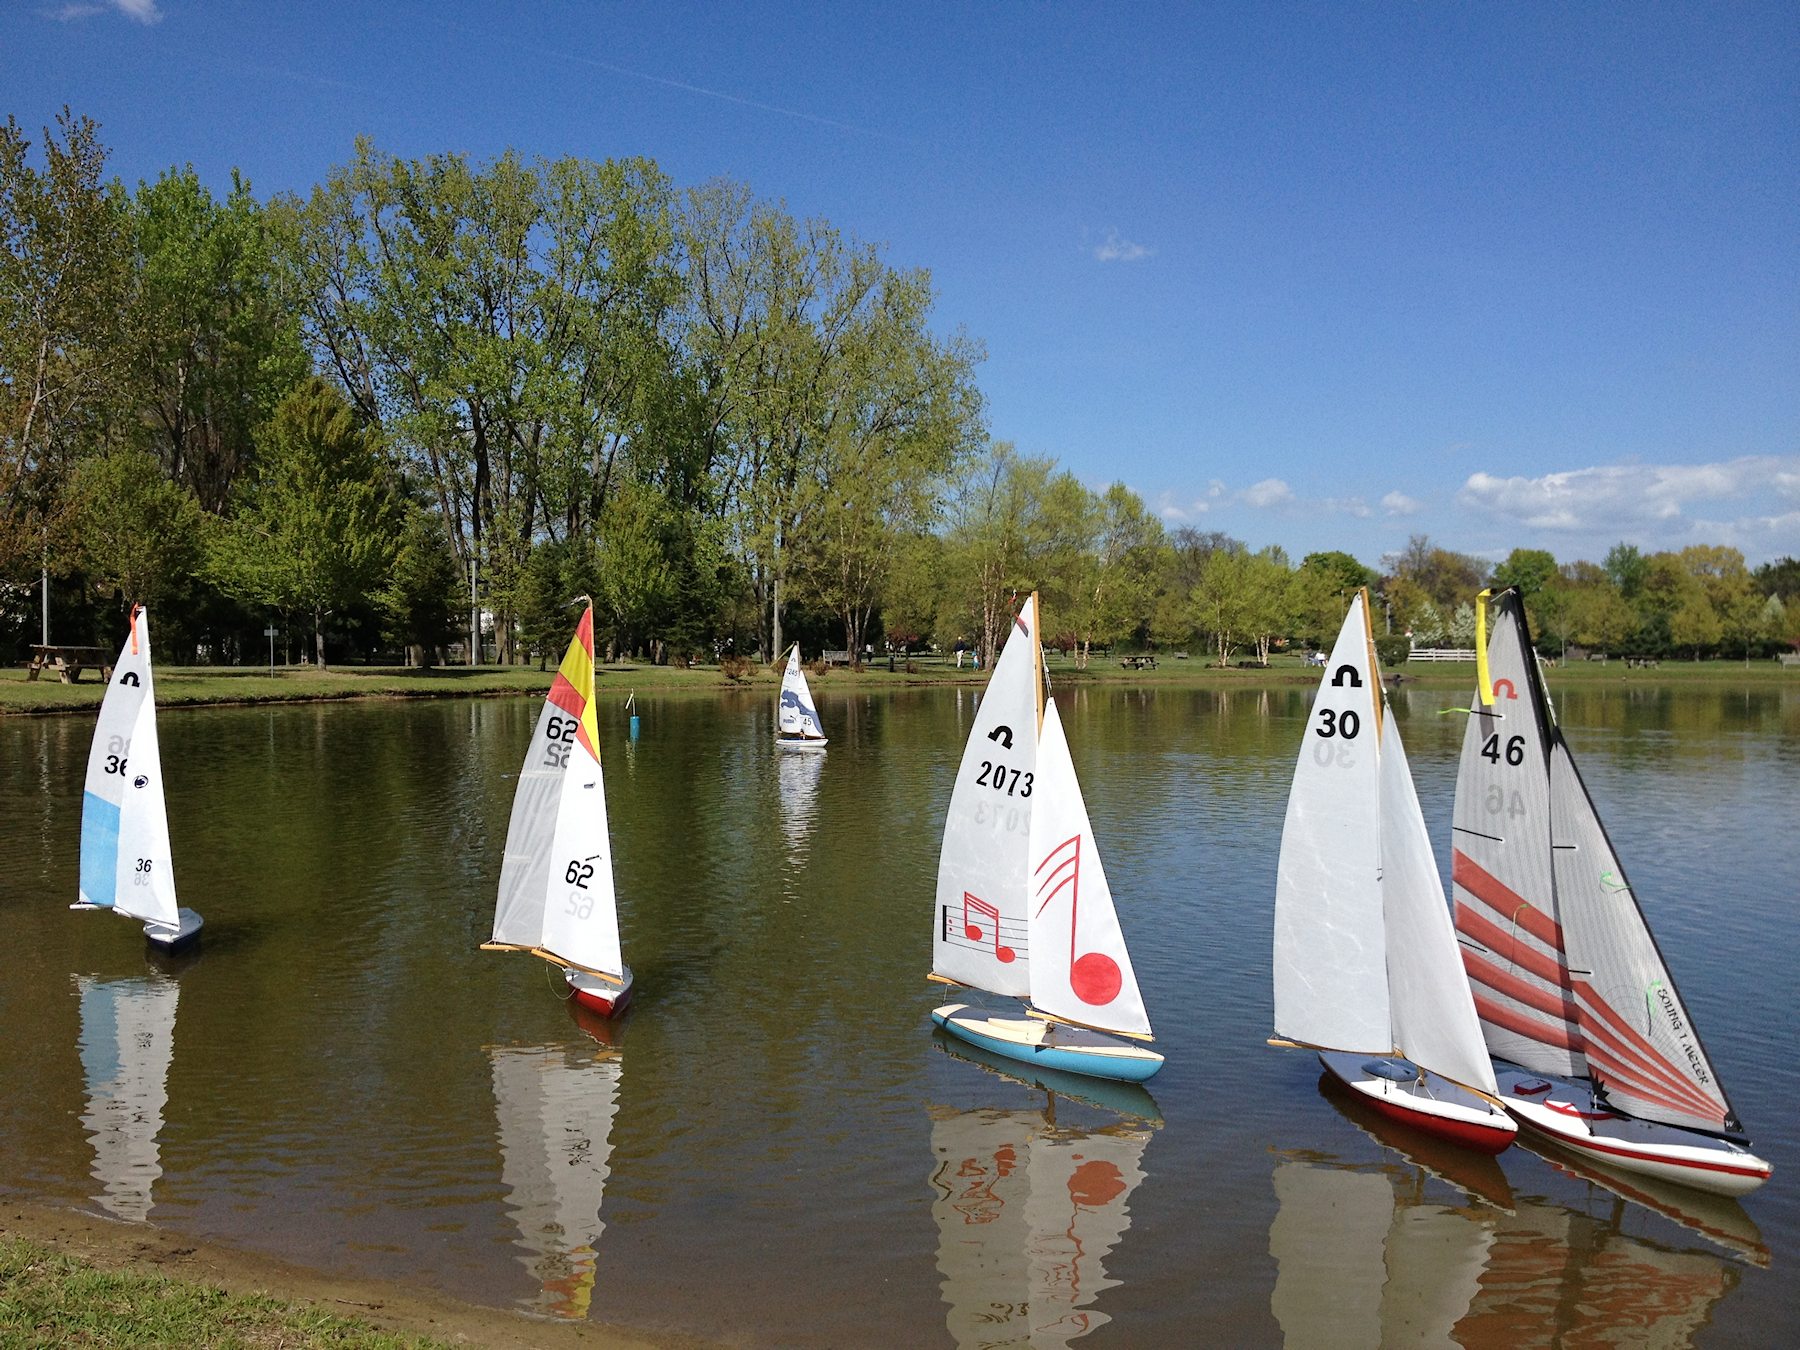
(1138, 663)
(69, 662)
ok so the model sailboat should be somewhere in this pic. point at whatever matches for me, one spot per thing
(125, 863)
(1596, 1048)
(556, 883)
(797, 725)
(1366, 968)
(1023, 908)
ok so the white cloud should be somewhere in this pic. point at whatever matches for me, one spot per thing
(143, 11)
(1654, 501)
(1117, 249)
(1347, 506)
(1269, 492)
(1399, 504)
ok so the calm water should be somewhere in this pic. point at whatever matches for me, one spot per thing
(772, 1148)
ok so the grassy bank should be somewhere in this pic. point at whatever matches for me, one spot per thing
(211, 686)
(50, 1298)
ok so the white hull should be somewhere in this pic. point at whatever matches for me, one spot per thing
(186, 926)
(1566, 1111)
(801, 742)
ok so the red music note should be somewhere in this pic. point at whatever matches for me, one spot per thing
(1094, 976)
(972, 931)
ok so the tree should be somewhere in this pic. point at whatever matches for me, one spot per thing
(138, 532)
(998, 538)
(322, 528)
(65, 298)
(1529, 569)
(1626, 566)
(421, 598)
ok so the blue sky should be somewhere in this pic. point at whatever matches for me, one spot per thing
(1324, 276)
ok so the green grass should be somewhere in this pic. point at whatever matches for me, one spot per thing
(47, 1298)
(176, 686)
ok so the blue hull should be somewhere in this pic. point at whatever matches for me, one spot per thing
(1090, 1063)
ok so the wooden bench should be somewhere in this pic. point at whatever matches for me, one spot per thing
(836, 658)
(69, 662)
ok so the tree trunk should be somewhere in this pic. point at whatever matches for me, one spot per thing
(319, 636)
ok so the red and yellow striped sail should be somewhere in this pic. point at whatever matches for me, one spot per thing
(573, 690)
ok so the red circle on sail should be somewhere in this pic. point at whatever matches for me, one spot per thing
(1095, 978)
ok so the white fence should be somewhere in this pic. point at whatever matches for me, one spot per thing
(1441, 654)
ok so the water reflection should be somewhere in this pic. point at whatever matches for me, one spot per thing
(127, 1042)
(555, 1106)
(797, 776)
(1365, 1257)
(1027, 1211)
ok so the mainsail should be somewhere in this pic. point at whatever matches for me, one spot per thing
(556, 881)
(1331, 983)
(796, 715)
(1080, 970)
(1513, 946)
(980, 930)
(125, 855)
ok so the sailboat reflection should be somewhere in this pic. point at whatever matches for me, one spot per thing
(1027, 1210)
(797, 779)
(1364, 1259)
(127, 1041)
(1479, 1174)
(555, 1106)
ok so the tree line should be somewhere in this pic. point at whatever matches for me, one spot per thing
(431, 388)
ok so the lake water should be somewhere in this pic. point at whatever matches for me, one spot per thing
(773, 1148)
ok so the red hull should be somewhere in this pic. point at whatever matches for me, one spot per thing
(603, 1004)
(1481, 1138)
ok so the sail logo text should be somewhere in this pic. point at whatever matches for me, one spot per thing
(1679, 1027)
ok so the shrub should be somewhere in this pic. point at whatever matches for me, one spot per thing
(1392, 649)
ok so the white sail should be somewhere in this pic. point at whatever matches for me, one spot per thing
(1506, 908)
(109, 764)
(1640, 1043)
(556, 880)
(555, 1116)
(1433, 1016)
(1331, 985)
(1080, 970)
(980, 925)
(796, 715)
(127, 1043)
(146, 886)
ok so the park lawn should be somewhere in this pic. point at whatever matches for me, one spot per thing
(213, 685)
(50, 1298)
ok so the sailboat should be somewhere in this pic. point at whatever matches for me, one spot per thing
(797, 725)
(1366, 969)
(556, 881)
(1593, 1045)
(125, 863)
(1023, 908)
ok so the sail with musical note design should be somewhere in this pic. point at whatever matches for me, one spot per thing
(981, 889)
(556, 879)
(1014, 891)
(1081, 971)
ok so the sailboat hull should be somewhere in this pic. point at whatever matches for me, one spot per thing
(597, 995)
(1565, 1110)
(1421, 1100)
(169, 937)
(801, 742)
(1050, 1045)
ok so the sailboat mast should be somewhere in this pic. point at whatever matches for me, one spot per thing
(1037, 659)
(1377, 695)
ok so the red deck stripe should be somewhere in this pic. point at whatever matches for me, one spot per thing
(1487, 888)
(1518, 990)
(1585, 1143)
(1504, 945)
(1521, 1025)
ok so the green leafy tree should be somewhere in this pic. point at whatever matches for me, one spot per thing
(321, 531)
(1529, 569)
(421, 597)
(65, 300)
(1626, 566)
(139, 532)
